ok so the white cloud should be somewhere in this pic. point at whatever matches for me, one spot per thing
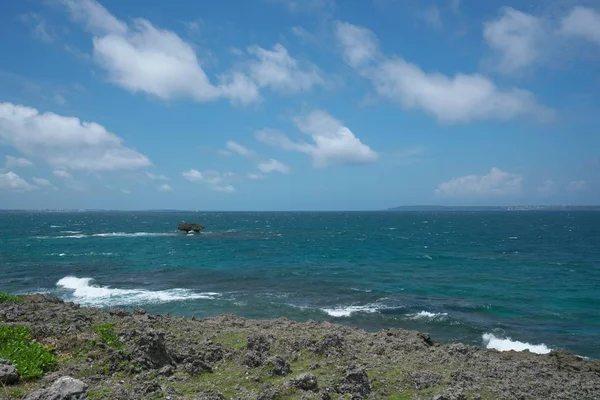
(432, 16)
(582, 22)
(164, 188)
(458, 99)
(517, 37)
(547, 187)
(215, 180)
(156, 177)
(61, 173)
(495, 183)
(333, 143)
(65, 142)
(234, 147)
(359, 45)
(256, 177)
(273, 165)
(125, 191)
(577, 186)
(95, 17)
(42, 182)
(13, 182)
(143, 58)
(277, 70)
(17, 162)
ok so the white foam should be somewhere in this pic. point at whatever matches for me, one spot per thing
(55, 226)
(84, 292)
(71, 232)
(428, 315)
(493, 342)
(513, 237)
(349, 310)
(135, 234)
(427, 257)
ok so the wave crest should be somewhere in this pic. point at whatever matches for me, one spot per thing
(493, 342)
(84, 292)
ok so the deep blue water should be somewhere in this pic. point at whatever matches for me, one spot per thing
(501, 279)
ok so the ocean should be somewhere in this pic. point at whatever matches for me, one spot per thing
(505, 280)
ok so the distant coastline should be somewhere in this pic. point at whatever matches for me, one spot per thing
(422, 208)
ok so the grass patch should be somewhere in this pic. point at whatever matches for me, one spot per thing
(30, 358)
(107, 335)
(232, 340)
(10, 298)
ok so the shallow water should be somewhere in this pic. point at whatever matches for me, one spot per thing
(521, 280)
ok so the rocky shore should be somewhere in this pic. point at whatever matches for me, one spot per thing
(118, 354)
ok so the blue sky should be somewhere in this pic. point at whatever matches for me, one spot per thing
(298, 105)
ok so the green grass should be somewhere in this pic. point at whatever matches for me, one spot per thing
(10, 298)
(108, 337)
(30, 358)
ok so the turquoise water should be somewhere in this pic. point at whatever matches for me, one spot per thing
(498, 279)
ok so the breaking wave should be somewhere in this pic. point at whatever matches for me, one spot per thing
(493, 342)
(349, 310)
(84, 292)
(109, 235)
(428, 315)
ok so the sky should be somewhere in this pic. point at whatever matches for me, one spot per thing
(298, 104)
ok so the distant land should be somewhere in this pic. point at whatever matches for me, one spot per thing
(496, 208)
(413, 208)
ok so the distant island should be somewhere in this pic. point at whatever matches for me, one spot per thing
(495, 208)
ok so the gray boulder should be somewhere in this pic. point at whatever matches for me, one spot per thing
(304, 381)
(64, 388)
(8, 373)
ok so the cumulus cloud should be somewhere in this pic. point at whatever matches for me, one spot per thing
(65, 142)
(450, 99)
(583, 23)
(577, 186)
(164, 188)
(12, 182)
(359, 45)
(495, 183)
(277, 70)
(517, 38)
(273, 165)
(333, 143)
(214, 180)
(141, 57)
(520, 40)
(234, 147)
(17, 162)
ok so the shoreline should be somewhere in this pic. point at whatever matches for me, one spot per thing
(229, 357)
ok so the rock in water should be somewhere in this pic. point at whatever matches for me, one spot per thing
(8, 373)
(64, 388)
(190, 227)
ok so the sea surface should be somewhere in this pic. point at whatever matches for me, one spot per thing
(505, 280)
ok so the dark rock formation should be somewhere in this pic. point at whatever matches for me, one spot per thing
(356, 381)
(279, 366)
(306, 381)
(190, 227)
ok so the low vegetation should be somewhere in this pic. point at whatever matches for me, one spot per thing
(31, 359)
(10, 298)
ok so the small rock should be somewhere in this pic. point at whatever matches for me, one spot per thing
(259, 344)
(306, 381)
(252, 360)
(167, 370)
(211, 395)
(196, 366)
(65, 388)
(420, 380)
(268, 394)
(8, 373)
(280, 367)
(356, 381)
